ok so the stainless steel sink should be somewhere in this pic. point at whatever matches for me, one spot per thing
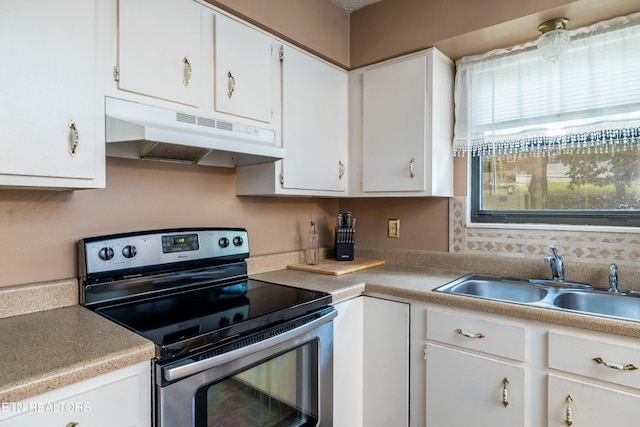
(496, 288)
(599, 302)
(566, 296)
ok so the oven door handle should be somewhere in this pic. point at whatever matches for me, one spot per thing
(186, 367)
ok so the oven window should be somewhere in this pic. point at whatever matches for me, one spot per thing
(282, 391)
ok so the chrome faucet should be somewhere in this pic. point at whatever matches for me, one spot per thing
(557, 265)
(613, 278)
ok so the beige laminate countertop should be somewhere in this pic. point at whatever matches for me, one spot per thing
(50, 349)
(416, 283)
(45, 350)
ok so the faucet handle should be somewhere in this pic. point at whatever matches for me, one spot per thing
(554, 251)
(613, 269)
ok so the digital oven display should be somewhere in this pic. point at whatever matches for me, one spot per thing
(180, 243)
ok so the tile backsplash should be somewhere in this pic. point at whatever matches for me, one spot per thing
(596, 246)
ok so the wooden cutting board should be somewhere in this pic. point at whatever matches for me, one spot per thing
(336, 268)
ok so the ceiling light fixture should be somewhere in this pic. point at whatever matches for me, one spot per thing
(351, 5)
(554, 39)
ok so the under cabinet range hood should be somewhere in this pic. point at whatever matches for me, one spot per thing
(140, 131)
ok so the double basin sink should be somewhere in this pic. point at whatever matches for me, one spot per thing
(568, 296)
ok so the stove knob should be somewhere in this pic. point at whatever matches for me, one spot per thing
(105, 253)
(129, 251)
(223, 242)
(237, 241)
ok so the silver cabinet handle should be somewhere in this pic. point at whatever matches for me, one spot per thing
(411, 163)
(629, 367)
(469, 334)
(72, 424)
(340, 169)
(75, 138)
(187, 72)
(232, 84)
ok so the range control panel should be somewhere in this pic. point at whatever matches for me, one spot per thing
(155, 248)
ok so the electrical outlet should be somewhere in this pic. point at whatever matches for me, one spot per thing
(394, 229)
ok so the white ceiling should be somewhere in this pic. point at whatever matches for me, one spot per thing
(352, 5)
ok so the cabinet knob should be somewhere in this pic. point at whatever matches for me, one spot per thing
(72, 424)
(411, 163)
(232, 84)
(75, 138)
(187, 72)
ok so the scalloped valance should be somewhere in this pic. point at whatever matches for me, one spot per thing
(511, 101)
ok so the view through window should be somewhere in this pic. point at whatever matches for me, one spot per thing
(554, 143)
(602, 177)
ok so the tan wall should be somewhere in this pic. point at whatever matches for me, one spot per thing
(40, 228)
(387, 28)
(320, 26)
(424, 222)
(463, 27)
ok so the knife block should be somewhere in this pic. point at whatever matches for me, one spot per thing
(344, 244)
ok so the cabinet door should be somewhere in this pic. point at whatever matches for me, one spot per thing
(347, 363)
(159, 49)
(315, 123)
(115, 402)
(48, 80)
(394, 126)
(386, 363)
(591, 405)
(464, 389)
(242, 70)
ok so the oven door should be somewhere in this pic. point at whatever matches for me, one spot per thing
(286, 380)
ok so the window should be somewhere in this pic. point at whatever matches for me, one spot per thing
(555, 143)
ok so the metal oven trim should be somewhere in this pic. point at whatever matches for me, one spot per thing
(175, 402)
(186, 367)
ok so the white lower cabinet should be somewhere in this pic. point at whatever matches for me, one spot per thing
(474, 375)
(586, 404)
(605, 388)
(485, 369)
(465, 389)
(371, 363)
(119, 398)
(348, 328)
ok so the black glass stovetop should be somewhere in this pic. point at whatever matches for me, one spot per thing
(191, 320)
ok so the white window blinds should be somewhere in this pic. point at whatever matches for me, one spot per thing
(509, 102)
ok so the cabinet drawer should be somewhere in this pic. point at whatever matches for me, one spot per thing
(576, 355)
(476, 333)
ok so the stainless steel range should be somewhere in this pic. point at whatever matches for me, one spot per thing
(230, 350)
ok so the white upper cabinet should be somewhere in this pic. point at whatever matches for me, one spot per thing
(402, 124)
(243, 74)
(395, 120)
(159, 50)
(51, 112)
(314, 132)
(315, 123)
